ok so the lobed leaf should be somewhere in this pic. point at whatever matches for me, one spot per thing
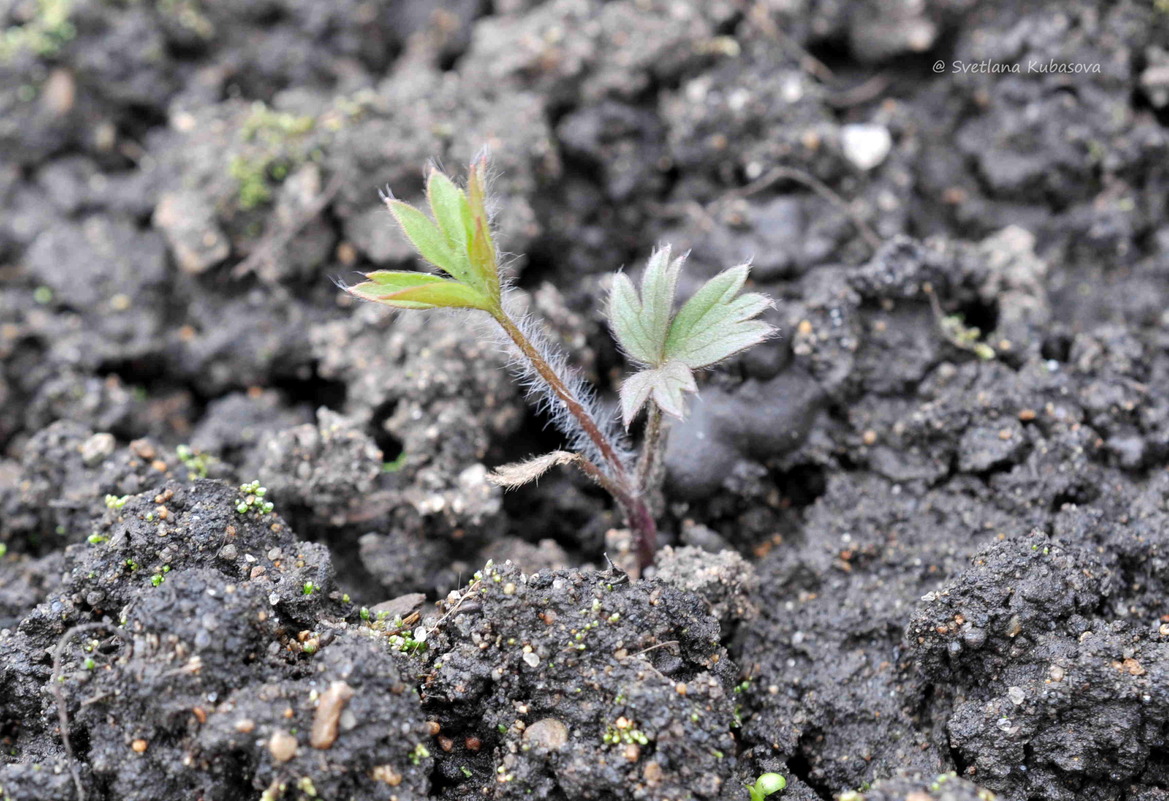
(641, 322)
(665, 384)
(715, 324)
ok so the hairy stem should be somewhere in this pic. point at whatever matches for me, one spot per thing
(616, 480)
(560, 389)
(651, 450)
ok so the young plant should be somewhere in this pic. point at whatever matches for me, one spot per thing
(767, 784)
(668, 346)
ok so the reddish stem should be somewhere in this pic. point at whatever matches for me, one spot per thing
(628, 495)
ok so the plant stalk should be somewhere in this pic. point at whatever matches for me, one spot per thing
(652, 447)
(627, 494)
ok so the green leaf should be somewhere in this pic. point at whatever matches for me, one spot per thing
(478, 223)
(425, 236)
(641, 322)
(482, 257)
(426, 292)
(665, 384)
(715, 324)
(384, 283)
(401, 279)
(447, 203)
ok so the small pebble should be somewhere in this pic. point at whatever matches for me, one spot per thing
(97, 448)
(282, 745)
(548, 733)
(866, 145)
(328, 715)
(138, 746)
(387, 774)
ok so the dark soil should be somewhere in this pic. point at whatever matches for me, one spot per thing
(917, 546)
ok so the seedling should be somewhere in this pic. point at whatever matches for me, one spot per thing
(253, 499)
(197, 463)
(667, 346)
(767, 784)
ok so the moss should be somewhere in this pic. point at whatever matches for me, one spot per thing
(419, 753)
(253, 499)
(197, 463)
(188, 14)
(273, 143)
(45, 33)
(114, 502)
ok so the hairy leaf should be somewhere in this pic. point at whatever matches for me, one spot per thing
(481, 245)
(482, 258)
(430, 292)
(383, 283)
(665, 384)
(715, 324)
(641, 322)
(425, 236)
(447, 204)
(516, 474)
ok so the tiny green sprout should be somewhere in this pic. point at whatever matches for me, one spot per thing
(419, 753)
(466, 771)
(345, 598)
(197, 463)
(89, 664)
(308, 588)
(3, 549)
(767, 784)
(157, 579)
(253, 499)
(409, 642)
(114, 502)
(43, 295)
(954, 329)
(365, 615)
(395, 464)
(667, 346)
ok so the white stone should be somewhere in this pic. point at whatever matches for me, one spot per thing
(865, 144)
